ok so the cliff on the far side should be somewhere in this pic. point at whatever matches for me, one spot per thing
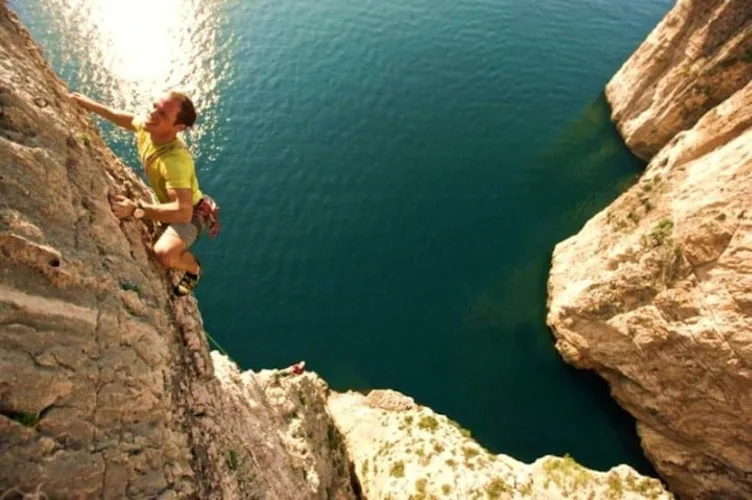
(655, 292)
(107, 387)
(696, 58)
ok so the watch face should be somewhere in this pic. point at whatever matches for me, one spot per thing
(138, 213)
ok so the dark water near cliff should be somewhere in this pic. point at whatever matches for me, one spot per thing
(393, 178)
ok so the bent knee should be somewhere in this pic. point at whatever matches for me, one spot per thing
(164, 255)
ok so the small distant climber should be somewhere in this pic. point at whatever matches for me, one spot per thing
(294, 369)
(169, 167)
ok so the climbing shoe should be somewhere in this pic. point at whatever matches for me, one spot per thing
(187, 284)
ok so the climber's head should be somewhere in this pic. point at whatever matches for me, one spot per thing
(171, 113)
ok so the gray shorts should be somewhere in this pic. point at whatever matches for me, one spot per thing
(189, 232)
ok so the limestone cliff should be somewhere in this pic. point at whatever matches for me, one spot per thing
(402, 450)
(107, 389)
(655, 292)
(698, 56)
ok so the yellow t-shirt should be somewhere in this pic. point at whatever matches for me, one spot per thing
(172, 165)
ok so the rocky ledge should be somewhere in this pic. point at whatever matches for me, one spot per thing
(697, 57)
(403, 450)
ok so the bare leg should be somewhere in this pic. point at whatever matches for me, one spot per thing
(187, 262)
(172, 252)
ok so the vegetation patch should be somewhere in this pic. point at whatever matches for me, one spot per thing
(332, 438)
(428, 422)
(615, 487)
(646, 487)
(420, 487)
(27, 419)
(85, 139)
(385, 448)
(446, 489)
(130, 286)
(567, 474)
(671, 254)
(621, 224)
(672, 265)
(660, 234)
(232, 460)
(526, 488)
(462, 430)
(496, 488)
(470, 452)
(646, 204)
(438, 448)
(397, 469)
(425, 460)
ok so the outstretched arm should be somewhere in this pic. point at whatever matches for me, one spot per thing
(119, 118)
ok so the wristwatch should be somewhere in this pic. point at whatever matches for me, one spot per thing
(138, 212)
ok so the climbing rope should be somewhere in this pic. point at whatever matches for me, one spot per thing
(294, 369)
(219, 347)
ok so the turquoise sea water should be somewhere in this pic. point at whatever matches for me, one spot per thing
(393, 177)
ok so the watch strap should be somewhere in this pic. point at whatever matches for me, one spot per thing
(139, 212)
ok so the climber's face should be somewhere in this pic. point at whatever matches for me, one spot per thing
(161, 120)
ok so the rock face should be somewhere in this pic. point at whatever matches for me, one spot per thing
(279, 407)
(655, 294)
(402, 450)
(698, 56)
(107, 388)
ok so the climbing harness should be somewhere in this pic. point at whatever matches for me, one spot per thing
(208, 211)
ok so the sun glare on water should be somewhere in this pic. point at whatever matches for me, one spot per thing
(126, 52)
(142, 41)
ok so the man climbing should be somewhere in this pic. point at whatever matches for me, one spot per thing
(169, 167)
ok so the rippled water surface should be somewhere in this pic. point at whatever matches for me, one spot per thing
(393, 177)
